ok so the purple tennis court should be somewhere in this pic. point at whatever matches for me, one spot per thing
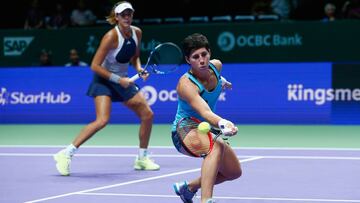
(105, 174)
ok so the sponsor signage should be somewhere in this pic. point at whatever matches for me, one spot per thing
(263, 93)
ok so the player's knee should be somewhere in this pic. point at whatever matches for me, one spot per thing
(150, 115)
(218, 150)
(101, 123)
(147, 115)
(235, 174)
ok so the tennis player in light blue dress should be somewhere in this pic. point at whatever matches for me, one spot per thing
(198, 91)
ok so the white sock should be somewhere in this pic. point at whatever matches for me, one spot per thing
(70, 150)
(142, 153)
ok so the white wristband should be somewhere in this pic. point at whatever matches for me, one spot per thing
(225, 127)
(114, 78)
(223, 80)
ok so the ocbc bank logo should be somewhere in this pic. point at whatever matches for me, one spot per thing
(152, 95)
(226, 41)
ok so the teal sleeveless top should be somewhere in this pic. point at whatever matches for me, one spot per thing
(211, 98)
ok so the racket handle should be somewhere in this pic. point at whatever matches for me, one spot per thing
(215, 131)
(135, 77)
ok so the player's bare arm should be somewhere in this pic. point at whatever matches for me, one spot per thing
(217, 63)
(108, 42)
(225, 83)
(190, 93)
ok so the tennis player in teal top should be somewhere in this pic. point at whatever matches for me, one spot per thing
(119, 47)
(198, 91)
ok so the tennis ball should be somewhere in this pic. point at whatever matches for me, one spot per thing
(204, 127)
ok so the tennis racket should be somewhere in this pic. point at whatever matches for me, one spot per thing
(164, 59)
(195, 143)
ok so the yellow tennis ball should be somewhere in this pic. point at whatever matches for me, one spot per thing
(204, 127)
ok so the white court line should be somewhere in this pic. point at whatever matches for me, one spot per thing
(129, 182)
(171, 147)
(227, 197)
(179, 156)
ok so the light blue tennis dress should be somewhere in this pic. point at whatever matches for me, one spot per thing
(185, 110)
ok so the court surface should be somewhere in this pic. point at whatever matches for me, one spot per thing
(280, 164)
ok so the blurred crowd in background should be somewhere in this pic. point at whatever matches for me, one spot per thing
(59, 14)
(62, 14)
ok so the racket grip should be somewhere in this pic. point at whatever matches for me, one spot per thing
(135, 77)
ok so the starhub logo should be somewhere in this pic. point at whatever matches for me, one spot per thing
(298, 92)
(18, 97)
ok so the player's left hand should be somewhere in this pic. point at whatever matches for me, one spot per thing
(227, 85)
(144, 75)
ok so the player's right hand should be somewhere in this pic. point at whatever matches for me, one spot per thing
(227, 127)
(126, 82)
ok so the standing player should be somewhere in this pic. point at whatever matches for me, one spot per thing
(198, 90)
(118, 47)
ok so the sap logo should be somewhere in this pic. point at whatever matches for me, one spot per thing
(15, 46)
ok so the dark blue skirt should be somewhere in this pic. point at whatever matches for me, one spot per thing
(100, 87)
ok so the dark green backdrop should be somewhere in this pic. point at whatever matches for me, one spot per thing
(232, 42)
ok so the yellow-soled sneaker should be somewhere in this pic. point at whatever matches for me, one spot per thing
(63, 162)
(145, 164)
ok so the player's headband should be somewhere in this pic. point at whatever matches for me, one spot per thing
(122, 7)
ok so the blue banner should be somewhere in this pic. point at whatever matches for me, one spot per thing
(275, 93)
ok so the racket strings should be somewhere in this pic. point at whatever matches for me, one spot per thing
(185, 127)
(198, 144)
(166, 58)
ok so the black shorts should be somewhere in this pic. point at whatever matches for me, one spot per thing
(100, 87)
